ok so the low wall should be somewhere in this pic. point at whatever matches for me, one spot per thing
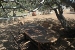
(10, 19)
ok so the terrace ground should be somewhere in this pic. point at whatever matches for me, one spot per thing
(5, 30)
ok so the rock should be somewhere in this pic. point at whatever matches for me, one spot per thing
(3, 48)
(4, 40)
(1, 45)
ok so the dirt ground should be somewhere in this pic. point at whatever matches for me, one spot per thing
(6, 37)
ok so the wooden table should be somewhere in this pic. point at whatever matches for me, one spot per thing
(41, 35)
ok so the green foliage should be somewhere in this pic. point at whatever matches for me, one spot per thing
(28, 4)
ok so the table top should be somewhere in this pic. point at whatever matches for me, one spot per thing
(41, 34)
